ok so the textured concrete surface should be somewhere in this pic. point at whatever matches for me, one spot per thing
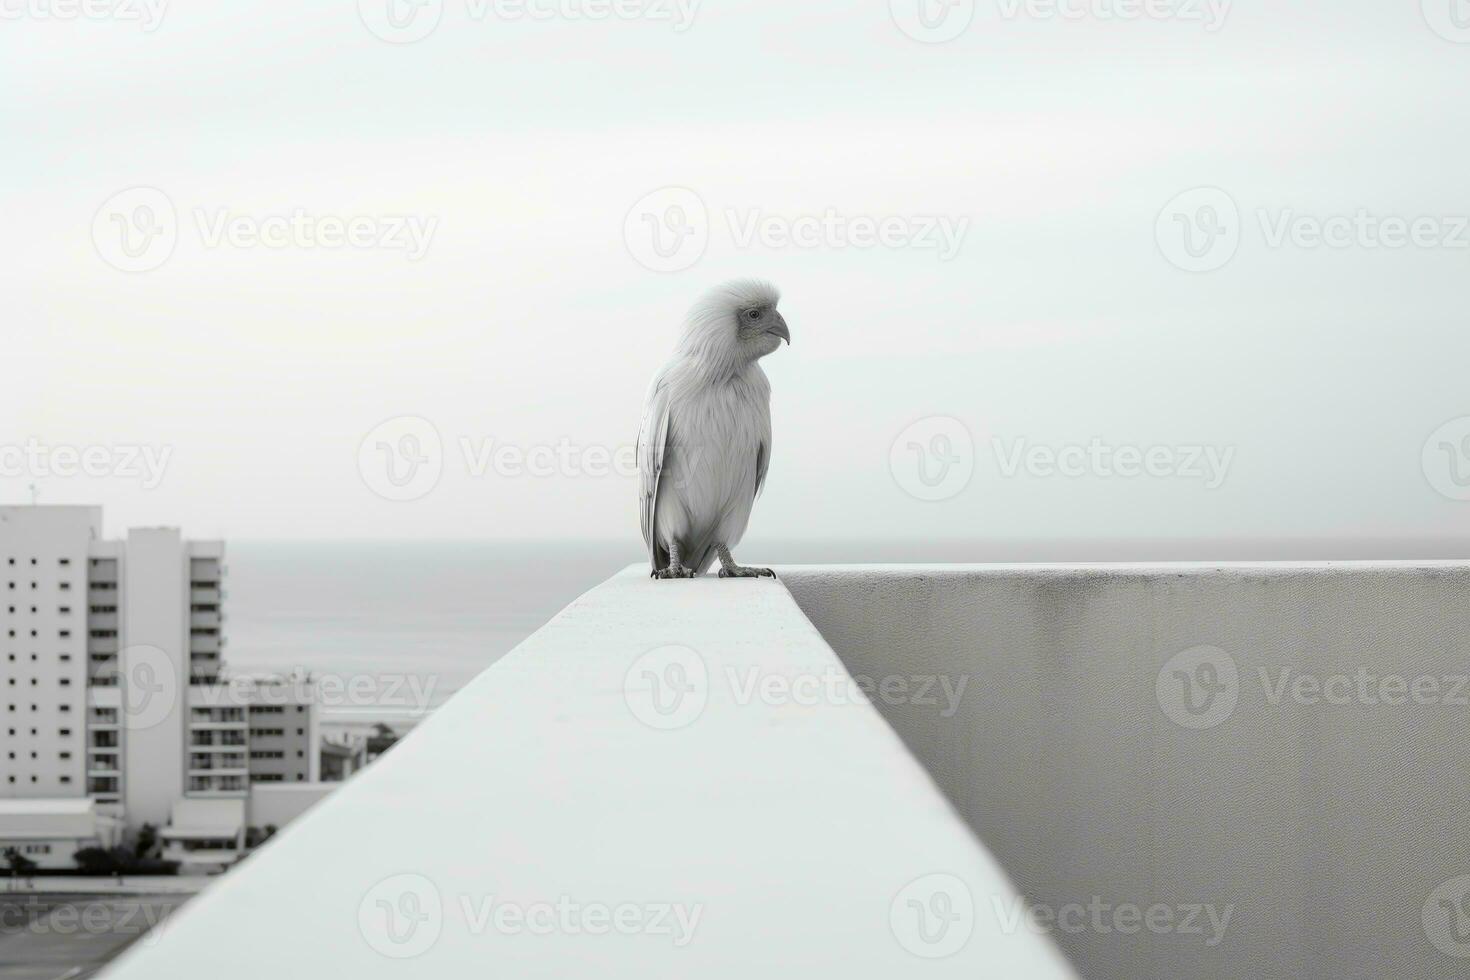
(1289, 742)
(669, 780)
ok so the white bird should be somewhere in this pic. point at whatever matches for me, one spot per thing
(705, 442)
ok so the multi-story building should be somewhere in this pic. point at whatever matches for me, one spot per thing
(112, 682)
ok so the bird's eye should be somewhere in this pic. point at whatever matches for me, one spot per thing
(752, 315)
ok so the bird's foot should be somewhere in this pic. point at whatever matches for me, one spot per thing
(674, 571)
(740, 571)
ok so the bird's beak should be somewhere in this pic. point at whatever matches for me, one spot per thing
(780, 329)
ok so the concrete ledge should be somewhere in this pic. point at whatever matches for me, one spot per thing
(1196, 735)
(647, 787)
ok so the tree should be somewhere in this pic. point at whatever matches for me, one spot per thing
(107, 861)
(20, 865)
(103, 860)
(147, 840)
(381, 740)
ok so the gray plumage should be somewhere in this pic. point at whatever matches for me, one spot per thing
(705, 443)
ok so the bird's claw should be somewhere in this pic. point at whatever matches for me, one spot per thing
(673, 571)
(740, 571)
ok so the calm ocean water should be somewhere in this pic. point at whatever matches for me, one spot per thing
(412, 622)
(408, 623)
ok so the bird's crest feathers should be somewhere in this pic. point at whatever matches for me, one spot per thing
(709, 334)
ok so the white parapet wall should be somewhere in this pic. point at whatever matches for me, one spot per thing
(669, 780)
(1193, 771)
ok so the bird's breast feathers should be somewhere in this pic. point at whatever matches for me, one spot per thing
(717, 431)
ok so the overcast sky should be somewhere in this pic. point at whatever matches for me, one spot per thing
(1086, 239)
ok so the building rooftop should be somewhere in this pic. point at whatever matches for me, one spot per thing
(1200, 770)
(60, 807)
(758, 836)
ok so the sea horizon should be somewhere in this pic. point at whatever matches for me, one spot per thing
(411, 622)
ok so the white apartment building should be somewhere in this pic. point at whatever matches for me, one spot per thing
(48, 832)
(111, 674)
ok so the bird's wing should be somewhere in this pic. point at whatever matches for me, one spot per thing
(762, 463)
(653, 436)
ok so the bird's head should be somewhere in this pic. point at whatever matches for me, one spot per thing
(735, 324)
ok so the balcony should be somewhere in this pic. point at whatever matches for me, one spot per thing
(204, 643)
(1189, 771)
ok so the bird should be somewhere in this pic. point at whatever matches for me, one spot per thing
(704, 446)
